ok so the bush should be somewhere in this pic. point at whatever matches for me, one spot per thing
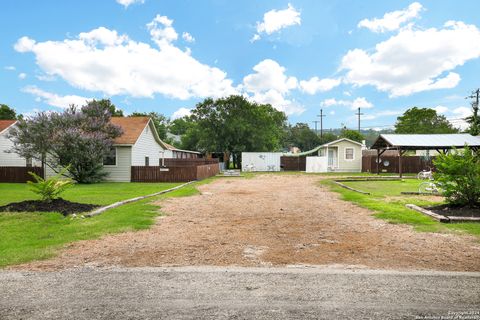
(459, 174)
(51, 188)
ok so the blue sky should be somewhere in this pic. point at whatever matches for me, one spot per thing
(300, 56)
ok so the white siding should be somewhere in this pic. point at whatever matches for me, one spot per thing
(261, 161)
(347, 165)
(146, 146)
(11, 159)
(121, 172)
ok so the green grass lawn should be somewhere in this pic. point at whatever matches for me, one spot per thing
(31, 236)
(389, 204)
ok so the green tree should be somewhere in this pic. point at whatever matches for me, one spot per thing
(180, 126)
(106, 104)
(233, 124)
(352, 135)
(458, 172)
(300, 135)
(423, 120)
(159, 120)
(7, 113)
(474, 121)
(328, 137)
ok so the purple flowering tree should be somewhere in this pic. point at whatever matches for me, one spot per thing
(76, 139)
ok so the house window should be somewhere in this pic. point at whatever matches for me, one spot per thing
(147, 161)
(29, 162)
(349, 153)
(321, 152)
(111, 158)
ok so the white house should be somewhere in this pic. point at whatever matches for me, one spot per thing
(139, 145)
(342, 155)
(10, 159)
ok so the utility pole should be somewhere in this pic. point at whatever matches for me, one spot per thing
(321, 115)
(316, 121)
(359, 114)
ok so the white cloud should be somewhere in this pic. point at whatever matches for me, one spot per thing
(392, 20)
(441, 109)
(55, 100)
(360, 102)
(270, 84)
(180, 113)
(414, 60)
(316, 84)
(188, 37)
(275, 20)
(9, 68)
(22, 76)
(347, 93)
(462, 112)
(126, 3)
(104, 61)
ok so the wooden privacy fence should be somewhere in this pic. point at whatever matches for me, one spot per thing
(18, 174)
(187, 162)
(389, 164)
(173, 174)
(293, 163)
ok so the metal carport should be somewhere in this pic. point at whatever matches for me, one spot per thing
(438, 142)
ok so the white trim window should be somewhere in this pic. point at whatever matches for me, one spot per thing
(111, 158)
(349, 153)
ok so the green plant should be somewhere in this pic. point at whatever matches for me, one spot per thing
(458, 172)
(51, 188)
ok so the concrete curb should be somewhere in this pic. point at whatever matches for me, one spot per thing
(428, 213)
(121, 203)
(350, 188)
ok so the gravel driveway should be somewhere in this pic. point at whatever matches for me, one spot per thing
(271, 220)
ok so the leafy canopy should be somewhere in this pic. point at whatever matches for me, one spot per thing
(423, 120)
(352, 135)
(300, 135)
(233, 125)
(458, 172)
(7, 113)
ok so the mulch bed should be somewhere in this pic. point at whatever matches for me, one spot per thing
(58, 205)
(447, 210)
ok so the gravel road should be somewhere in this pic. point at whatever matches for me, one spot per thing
(238, 293)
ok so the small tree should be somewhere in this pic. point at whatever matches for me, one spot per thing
(352, 135)
(49, 189)
(75, 139)
(459, 176)
(423, 120)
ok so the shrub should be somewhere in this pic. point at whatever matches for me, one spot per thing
(459, 174)
(51, 188)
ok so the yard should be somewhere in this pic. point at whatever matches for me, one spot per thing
(389, 204)
(283, 219)
(30, 236)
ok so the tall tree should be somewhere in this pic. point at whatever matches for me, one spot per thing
(234, 124)
(7, 113)
(159, 120)
(352, 135)
(106, 104)
(423, 120)
(77, 139)
(300, 135)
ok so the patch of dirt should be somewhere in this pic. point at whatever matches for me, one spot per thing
(57, 205)
(271, 220)
(447, 210)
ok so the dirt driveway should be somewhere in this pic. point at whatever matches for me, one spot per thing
(271, 220)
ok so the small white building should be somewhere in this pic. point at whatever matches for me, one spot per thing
(342, 155)
(261, 161)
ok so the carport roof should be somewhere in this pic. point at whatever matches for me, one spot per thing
(425, 141)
